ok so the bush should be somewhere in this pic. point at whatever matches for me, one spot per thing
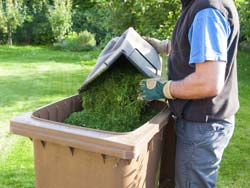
(93, 19)
(149, 18)
(244, 14)
(83, 41)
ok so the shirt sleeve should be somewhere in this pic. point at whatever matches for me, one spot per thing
(208, 36)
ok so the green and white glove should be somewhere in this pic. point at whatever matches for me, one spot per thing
(154, 89)
(161, 46)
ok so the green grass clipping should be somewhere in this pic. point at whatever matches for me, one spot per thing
(110, 102)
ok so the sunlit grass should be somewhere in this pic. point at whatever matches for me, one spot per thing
(17, 168)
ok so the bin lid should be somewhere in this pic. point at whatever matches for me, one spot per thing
(131, 45)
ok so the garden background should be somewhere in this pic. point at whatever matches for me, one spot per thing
(48, 47)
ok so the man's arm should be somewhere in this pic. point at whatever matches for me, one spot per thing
(208, 39)
(206, 81)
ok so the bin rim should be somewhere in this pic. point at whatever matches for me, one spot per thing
(125, 145)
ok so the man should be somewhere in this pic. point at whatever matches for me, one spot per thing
(202, 89)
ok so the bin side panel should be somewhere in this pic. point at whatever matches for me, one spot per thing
(60, 110)
(65, 167)
(155, 151)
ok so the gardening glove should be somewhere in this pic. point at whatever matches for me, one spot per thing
(154, 89)
(161, 46)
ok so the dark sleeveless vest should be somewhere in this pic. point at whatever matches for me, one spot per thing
(226, 103)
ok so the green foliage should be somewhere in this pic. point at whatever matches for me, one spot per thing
(151, 18)
(3, 38)
(94, 18)
(82, 41)
(244, 14)
(60, 18)
(12, 15)
(44, 21)
(110, 103)
(36, 29)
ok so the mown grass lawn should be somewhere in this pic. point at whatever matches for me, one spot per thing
(29, 78)
(34, 76)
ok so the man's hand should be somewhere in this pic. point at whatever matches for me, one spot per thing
(161, 46)
(154, 89)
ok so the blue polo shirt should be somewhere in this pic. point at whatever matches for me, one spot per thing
(208, 36)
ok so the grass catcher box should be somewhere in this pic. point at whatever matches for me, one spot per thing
(135, 49)
(68, 156)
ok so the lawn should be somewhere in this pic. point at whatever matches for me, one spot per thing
(29, 78)
(34, 76)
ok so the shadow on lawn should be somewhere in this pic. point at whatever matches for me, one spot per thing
(41, 54)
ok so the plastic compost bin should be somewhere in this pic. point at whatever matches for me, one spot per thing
(68, 156)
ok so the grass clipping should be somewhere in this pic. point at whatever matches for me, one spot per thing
(110, 103)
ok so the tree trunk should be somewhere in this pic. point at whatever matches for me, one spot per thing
(9, 38)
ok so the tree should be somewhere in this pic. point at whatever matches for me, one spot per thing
(60, 18)
(91, 16)
(12, 15)
(36, 28)
(152, 18)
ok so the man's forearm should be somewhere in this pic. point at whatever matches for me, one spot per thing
(190, 88)
(206, 81)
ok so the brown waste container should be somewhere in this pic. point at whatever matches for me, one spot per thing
(69, 156)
